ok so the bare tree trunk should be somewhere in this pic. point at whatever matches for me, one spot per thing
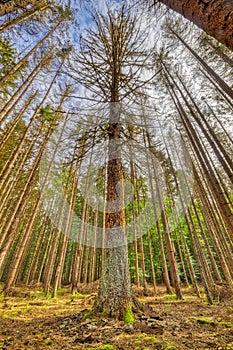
(207, 130)
(4, 113)
(167, 234)
(27, 14)
(24, 59)
(12, 126)
(197, 253)
(132, 176)
(210, 175)
(224, 86)
(35, 263)
(115, 294)
(213, 16)
(12, 5)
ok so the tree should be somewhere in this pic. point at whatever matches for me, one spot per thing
(214, 17)
(22, 61)
(109, 66)
(8, 6)
(7, 61)
(37, 8)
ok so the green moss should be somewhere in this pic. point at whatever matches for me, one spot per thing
(104, 313)
(151, 339)
(137, 341)
(170, 297)
(128, 315)
(38, 294)
(203, 320)
(142, 301)
(78, 295)
(226, 324)
(87, 315)
(48, 341)
(147, 338)
(150, 343)
(11, 315)
(107, 347)
(26, 310)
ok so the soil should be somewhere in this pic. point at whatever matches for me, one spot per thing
(29, 320)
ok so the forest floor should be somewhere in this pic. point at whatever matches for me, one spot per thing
(31, 321)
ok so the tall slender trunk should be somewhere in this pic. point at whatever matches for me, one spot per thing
(10, 128)
(27, 14)
(12, 5)
(4, 113)
(167, 233)
(9, 164)
(216, 145)
(204, 162)
(224, 86)
(24, 59)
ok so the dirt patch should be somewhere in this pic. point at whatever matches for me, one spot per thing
(33, 321)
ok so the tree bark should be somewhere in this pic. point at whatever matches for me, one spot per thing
(115, 294)
(215, 17)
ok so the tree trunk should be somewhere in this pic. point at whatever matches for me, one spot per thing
(5, 111)
(115, 295)
(12, 5)
(213, 16)
(27, 14)
(210, 175)
(32, 51)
